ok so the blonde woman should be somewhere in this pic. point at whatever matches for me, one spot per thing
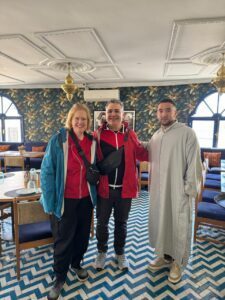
(67, 196)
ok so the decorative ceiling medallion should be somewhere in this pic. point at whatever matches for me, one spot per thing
(76, 65)
(209, 57)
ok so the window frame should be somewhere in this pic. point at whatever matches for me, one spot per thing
(216, 118)
(4, 117)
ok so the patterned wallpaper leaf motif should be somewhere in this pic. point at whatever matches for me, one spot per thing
(133, 97)
(45, 110)
(152, 90)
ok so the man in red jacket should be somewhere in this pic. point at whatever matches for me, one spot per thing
(118, 186)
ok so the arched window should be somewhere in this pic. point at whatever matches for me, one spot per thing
(208, 121)
(11, 122)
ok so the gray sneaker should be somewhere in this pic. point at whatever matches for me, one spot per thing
(100, 261)
(55, 290)
(82, 274)
(123, 263)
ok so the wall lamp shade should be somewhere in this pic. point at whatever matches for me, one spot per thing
(69, 87)
(219, 80)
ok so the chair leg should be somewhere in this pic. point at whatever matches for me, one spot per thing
(16, 231)
(13, 229)
(92, 225)
(0, 239)
(195, 230)
(18, 262)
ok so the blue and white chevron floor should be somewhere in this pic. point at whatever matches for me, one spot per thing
(204, 277)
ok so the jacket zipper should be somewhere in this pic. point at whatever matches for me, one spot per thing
(81, 171)
(116, 174)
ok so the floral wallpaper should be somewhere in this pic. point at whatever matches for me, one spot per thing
(45, 110)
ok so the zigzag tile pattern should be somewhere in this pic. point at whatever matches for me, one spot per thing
(203, 278)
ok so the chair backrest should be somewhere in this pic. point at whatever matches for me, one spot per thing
(31, 212)
(200, 191)
(32, 225)
(144, 168)
(11, 161)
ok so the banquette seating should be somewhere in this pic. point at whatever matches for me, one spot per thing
(34, 162)
(214, 156)
(211, 181)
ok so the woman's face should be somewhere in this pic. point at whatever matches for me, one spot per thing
(79, 122)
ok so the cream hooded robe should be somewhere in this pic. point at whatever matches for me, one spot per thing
(176, 171)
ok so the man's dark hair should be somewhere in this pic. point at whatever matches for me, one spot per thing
(168, 101)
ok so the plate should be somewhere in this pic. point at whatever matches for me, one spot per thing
(221, 203)
(220, 199)
(25, 192)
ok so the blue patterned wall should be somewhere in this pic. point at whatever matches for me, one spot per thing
(45, 110)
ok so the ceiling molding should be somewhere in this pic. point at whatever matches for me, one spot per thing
(113, 46)
(180, 70)
(88, 34)
(99, 85)
(13, 79)
(176, 32)
(94, 43)
(23, 42)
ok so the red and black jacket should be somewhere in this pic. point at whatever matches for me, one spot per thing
(126, 175)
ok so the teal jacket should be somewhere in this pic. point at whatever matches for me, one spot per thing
(53, 173)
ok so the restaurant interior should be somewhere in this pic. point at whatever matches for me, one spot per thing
(54, 54)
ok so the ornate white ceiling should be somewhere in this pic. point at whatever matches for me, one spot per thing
(110, 43)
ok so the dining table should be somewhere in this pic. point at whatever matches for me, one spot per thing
(24, 154)
(12, 183)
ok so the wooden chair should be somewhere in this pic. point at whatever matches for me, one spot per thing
(32, 226)
(11, 161)
(144, 174)
(208, 213)
(5, 212)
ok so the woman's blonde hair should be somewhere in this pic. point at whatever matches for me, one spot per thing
(73, 110)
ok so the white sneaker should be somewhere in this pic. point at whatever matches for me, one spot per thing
(123, 263)
(175, 273)
(100, 261)
(159, 263)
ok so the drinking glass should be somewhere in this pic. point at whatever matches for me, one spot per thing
(31, 185)
(1, 177)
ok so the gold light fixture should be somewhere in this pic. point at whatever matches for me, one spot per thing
(69, 87)
(219, 80)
